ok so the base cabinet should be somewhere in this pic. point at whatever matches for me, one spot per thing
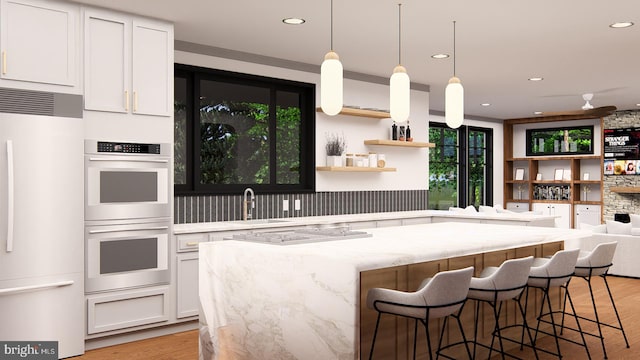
(563, 211)
(587, 214)
(187, 285)
(127, 309)
(517, 207)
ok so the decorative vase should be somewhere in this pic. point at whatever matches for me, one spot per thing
(334, 160)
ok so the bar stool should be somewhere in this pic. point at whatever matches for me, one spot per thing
(495, 285)
(592, 264)
(438, 297)
(545, 274)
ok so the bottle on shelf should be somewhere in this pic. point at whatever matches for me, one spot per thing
(401, 134)
(408, 133)
(394, 131)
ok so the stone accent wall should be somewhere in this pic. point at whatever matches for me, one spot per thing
(614, 202)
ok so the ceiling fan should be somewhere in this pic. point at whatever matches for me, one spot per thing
(587, 109)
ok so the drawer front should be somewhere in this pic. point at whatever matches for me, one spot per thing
(518, 207)
(189, 242)
(124, 309)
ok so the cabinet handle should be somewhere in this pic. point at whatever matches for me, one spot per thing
(192, 243)
(126, 100)
(4, 62)
(10, 196)
(135, 101)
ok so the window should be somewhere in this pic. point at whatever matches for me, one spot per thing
(560, 141)
(234, 130)
(460, 172)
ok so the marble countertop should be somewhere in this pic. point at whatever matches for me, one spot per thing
(300, 301)
(341, 219)
(393, 246)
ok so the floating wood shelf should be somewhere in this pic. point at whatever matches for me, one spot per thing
(625, 189)
(416, 144)
(354, 169)
(374, 114)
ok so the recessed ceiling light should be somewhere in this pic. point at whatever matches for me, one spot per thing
(536, 78)
(485, 104)
(621, 25)
(293, 21)
(537, 113)
(440, 56)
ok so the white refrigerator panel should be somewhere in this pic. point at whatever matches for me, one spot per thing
(48, 308)
(47, 213)
(42, 231)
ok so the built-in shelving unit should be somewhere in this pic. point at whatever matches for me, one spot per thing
(354, 169)
(625, 189)
(570, 197)
(415, 144)
(374, 114)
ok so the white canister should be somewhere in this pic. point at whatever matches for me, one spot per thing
(373, 160)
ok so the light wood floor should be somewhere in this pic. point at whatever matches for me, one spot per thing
(626, 292)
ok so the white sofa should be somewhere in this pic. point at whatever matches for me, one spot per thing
(626, 261)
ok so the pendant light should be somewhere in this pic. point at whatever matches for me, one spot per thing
(454, 95)
(331, 80)
(399, 94)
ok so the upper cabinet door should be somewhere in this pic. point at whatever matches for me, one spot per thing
(107, 47)
(152, 68)
(38, 41)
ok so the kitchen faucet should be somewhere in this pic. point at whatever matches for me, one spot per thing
(248, 205)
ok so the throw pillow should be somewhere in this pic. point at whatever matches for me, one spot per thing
(635, 231)
(470, 210)
(596, 229)
(616, 227)
(635, 220)
(487, 209)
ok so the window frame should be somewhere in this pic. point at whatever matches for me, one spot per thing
(464, 162)
(193, 76)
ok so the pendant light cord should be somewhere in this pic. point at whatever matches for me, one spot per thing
(454, 48)
(331, 47)
(399, 34)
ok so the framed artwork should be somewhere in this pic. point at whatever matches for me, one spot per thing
(519, 174)
(585, 176)
(539, 177)
(566, 174)
(558, 174)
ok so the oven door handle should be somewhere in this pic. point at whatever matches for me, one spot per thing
(152, 228)
(132, 160)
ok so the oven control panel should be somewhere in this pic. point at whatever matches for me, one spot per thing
(132, 148)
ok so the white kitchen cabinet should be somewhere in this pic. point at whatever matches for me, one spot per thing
(39, 41)
(187, 285)
(587, 214)
(127, 309)
(189, 242)
(517, 207)
(561, 210)
(128, 63)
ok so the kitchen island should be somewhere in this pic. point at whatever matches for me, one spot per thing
(305, 301)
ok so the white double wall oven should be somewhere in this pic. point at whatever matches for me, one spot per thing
(127, 215)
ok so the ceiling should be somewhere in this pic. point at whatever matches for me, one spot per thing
(499, 44)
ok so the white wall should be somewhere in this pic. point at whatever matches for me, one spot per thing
(498, 153)
(411, 163)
